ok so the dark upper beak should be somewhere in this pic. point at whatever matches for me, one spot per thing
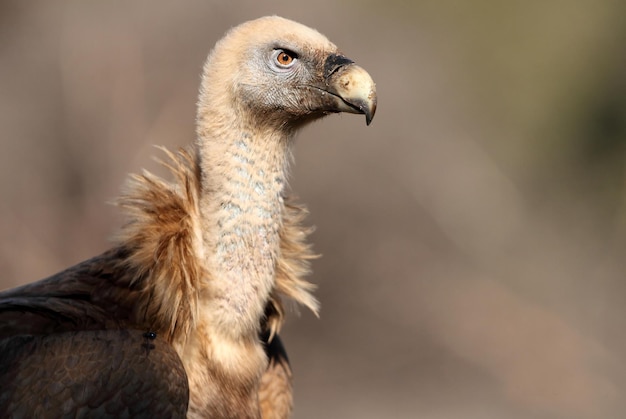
(353, 88)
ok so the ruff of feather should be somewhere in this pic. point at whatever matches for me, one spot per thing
(163, 254)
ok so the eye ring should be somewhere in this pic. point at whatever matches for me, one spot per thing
(284, 58)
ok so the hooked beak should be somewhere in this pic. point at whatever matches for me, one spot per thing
(353, 88)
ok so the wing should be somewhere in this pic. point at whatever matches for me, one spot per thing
(69, 348)
(94, 373)
(66, 301)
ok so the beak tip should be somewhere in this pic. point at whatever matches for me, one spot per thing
(369, 112)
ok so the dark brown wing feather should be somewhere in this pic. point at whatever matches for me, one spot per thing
(69, 347)
(96, 373)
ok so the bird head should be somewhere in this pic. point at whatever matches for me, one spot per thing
(284, 74)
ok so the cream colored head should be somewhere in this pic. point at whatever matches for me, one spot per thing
(278, 73)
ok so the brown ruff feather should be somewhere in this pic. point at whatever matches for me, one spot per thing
(159, 239)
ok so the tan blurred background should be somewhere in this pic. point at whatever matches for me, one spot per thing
(473, 237)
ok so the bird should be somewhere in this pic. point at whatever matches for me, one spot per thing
(181, 316)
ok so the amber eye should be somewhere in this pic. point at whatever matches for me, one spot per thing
(285, 58)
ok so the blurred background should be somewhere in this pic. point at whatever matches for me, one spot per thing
(473, 237)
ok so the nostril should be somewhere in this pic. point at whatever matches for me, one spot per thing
(333, 63)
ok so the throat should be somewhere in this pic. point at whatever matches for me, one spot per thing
(242, 209)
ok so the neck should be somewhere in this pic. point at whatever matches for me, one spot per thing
(243, 175)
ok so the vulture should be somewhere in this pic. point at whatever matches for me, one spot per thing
(180, 317)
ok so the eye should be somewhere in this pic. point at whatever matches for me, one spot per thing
(285, 58)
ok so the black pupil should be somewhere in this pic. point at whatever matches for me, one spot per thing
(284, 57)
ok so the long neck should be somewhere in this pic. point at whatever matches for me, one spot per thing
(243, 174)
